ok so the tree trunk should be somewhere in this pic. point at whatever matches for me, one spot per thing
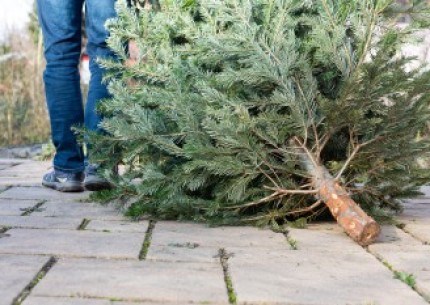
(357, 224)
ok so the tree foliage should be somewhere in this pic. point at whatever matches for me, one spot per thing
(227, 98)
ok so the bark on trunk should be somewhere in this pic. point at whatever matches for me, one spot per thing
(357, 224)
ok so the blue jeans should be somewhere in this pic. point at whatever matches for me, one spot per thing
(61, 26)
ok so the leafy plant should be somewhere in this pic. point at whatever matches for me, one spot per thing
(407, 278)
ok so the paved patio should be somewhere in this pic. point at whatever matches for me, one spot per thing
(60, 249)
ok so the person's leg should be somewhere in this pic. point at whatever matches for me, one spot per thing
(61, 27)
(97, 12)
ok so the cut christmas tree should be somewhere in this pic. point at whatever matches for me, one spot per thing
(262, 111)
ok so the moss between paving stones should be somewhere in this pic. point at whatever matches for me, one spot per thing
(39, 276)
(232, 297)
(147, 241)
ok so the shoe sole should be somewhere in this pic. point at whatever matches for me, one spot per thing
(66, 187)
(95, 185)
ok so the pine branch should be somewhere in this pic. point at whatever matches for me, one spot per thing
(352, 155)
(305, 210)
(231, 108)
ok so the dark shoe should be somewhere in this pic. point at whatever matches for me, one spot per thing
(93, 181)
(63, 181)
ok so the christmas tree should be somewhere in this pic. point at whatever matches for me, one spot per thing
(259, 111)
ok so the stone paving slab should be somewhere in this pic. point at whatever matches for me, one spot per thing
(170, 232)
(190, 242)
(176, 252)
(12, 161)
(28, 169)
(135, 281)
(406, 254)
(23, 173)
(393, 237)
(416, 200)
(413, 260)
(64, 301)
(85, 301)
(31, 222)
(4, 166)
(265, 276)
(41, 193)
(74, 209)
(323, 238)
(11, 207)
(18, 181)
(425, 190)
(72, 243)
(420, 202)
(420, 231)
(163, 303)
(118, 226)
(100, 264)
(415, 212)
(17, 272)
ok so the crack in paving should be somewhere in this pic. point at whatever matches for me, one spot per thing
(77, 256)
(5, 188)
(147, 241)
(3, 231)
(404, 228)
(82, 226)
(35, 208)
(138, 301)
(407, 279)
(292, 242)
(39, 276)
(9, 166)
(224, 257)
